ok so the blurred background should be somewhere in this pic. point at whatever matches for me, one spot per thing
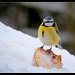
(27, 16)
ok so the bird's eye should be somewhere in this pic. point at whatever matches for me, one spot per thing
(48, 21)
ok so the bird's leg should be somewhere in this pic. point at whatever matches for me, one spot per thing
(42, 46)
(56, 46)
(50, 49)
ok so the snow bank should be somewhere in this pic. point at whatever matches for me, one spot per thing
(17, 50)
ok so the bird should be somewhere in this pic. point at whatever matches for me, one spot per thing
(48, 33)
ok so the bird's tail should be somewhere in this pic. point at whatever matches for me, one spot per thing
(59, 46)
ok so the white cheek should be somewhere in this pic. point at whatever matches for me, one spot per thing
(48, 24)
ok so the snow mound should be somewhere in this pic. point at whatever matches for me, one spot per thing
(17, 50)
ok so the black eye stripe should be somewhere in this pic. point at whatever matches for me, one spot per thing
(43, 24)
(48, 22)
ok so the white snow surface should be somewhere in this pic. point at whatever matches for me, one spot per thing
(17, 50)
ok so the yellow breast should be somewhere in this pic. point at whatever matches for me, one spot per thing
(48, 35)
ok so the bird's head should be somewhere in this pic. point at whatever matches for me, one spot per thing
(48, 21)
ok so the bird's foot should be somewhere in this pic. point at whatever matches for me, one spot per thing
(49, 50)
(42, 46)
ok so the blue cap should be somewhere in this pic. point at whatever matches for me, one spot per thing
(48, 18)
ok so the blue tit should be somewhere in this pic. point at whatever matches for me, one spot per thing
(48, 33)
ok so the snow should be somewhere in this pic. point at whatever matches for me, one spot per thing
(17, 50)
